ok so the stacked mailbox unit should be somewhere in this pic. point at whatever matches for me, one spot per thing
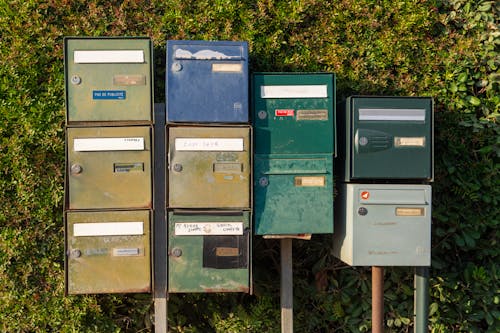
(294, 122)
(386, 163)
(108, 204)
(209, 167)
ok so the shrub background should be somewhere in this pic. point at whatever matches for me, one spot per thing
(446, 49)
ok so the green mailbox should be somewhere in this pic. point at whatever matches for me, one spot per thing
(294, 113)
(108, 252)
(209, 251)
(386, 138)
(383, 225)
(108, 79)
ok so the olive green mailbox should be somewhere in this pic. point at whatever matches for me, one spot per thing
(386, 138)
(209, 251)
(108, 79)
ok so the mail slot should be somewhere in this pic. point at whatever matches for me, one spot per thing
(294, 113)
(207, 81)
(108, 79)
(386, 138)
(109, 167)
(293, 195)
(209, 251)
(209, 167)
(108, 252)
(383, 225)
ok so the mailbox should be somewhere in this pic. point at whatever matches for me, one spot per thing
(293, 194)
(209, 251)
(294, 113)
(207, 81)
(383, 225)
(209, 167)
(109, 167)
(386, 138)
(108, 252)
(108, 79)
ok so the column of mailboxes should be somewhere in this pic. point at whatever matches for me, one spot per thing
(294, 122)
(209, 167)
(108, 204)
(386, 163)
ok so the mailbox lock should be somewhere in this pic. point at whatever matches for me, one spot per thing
(263, 181)
(75, 79)
(362, 211)
(177, 167)
(262, 114)
(76, 253)
(176, 252)
(176, 67)
(76, 169)
(363, 141)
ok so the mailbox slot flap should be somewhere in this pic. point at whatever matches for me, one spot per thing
(294, 166)
(393, 197)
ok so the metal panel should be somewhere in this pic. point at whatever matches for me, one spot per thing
(294, 113)
(108, 79)
(205, 252)
(106, 259)
(394, 230)
(207, 81)
(109, 167)
(293, 194)
(388, 138)
(209, 167)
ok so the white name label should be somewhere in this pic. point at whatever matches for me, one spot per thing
(108, 144)
(309, 91)
(108, 57)
(208, 228)
(208, 144)
(409, 141)
(108, 229)
(227, 68)
(392, 114)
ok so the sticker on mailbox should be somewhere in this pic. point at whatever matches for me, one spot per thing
(209, 228)
(365, 195)
(109, 94)
(284, 112)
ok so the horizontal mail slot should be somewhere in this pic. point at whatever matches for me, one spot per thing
(293, 166)
(227, 68)
(393, 196)
(294, 91)
(108, 56)
(208, 144)
(392, 114)
(108, 144)
(127, 252)
(208, 228)
(108, 229)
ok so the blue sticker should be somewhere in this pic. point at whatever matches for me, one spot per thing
(109, 94)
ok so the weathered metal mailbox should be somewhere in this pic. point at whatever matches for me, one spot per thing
(207, 81)
(108, 251)
(383, 225)
(209, 251)
(108, 79)
(209, 167)
(386, 138)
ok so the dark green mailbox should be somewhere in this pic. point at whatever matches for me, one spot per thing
(386, 138)
(294, 113)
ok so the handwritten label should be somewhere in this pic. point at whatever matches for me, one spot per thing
(208, 228)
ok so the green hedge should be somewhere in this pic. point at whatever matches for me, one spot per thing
(445, 49)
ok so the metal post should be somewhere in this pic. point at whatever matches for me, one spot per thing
(377, 299)
(421, 306)
(286, 286)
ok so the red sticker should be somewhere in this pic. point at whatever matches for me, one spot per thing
(365, 195)
(284, 112)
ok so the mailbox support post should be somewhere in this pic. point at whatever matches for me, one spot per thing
(286, 286)
(421, 299)
(377, 299)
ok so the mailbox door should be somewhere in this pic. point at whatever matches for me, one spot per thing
(209, 252)
(108, 252)
(209, 167)
(294, 113)
(293, 194)
(108, 79)
(391, 138)
(387, 225)
(109, 167)
(207, 81)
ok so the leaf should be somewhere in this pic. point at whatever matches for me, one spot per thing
(474, 100)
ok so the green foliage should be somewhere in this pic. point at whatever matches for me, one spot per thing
(445, 49)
